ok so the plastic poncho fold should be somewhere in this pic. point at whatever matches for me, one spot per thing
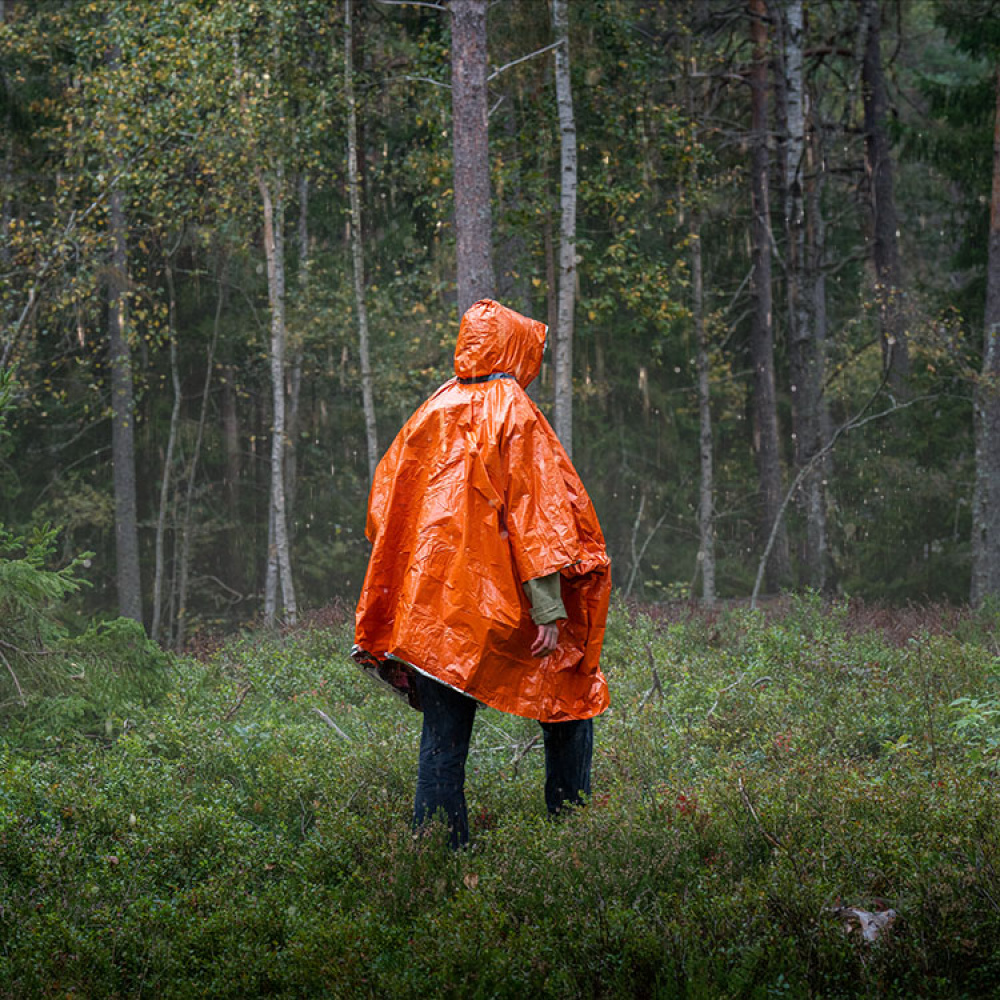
(474, 497)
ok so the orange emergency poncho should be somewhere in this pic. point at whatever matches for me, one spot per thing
(476, 496)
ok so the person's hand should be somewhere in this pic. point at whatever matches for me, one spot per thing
(546, 640)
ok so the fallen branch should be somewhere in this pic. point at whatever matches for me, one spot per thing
(333, 725)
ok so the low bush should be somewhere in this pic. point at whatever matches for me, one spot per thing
(757, 777)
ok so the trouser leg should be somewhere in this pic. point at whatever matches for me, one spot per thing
(444, 747)
(569, 747)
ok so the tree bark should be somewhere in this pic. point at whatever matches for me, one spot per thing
(128, 574)
(357, 250)
(562, 355)
(706, 488)
(765, 414)
(279, 566)
(470, 144)
(805, 361)
(986, 497)
(184, 570)
(231, 442)
(814, 286)
(293, 386)
(882, 200)
(168, 461)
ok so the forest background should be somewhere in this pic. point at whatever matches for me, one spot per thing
(761, 235)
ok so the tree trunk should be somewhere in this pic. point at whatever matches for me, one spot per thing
(168, 461)
(184, 571)
(122, 422)
(470, 144)
(805, 362)
(706, 489)
(279, 571)
(986, 498)
(357, 250)
(878, 165)
(814, 286)
(231, 444)
(765, 415)
(293, 388)
(562, 355)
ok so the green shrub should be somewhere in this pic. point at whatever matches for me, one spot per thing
(232, 843)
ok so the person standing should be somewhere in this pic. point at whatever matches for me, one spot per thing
(489, 579)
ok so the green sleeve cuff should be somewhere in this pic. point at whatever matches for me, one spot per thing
(545, 594)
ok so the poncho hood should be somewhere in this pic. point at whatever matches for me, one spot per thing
(495, 340)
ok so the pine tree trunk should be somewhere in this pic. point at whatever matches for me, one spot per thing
(986, 499)
(563, 347)
(279, 573)
(357, 250)
(765, 413)
(878, 164)
(470, 143)
(123, 422)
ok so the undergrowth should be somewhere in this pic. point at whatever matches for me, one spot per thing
(247, 834)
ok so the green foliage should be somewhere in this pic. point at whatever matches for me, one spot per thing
(777, 765)
(56, 685)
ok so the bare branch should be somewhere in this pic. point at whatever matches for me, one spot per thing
(413, 3)
(853, 424)
(417, 79)
(530, 55)
(17, 683)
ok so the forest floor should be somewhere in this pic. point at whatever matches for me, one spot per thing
(799, 801)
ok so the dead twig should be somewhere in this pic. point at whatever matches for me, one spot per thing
(333, 725)
(522, 752)
(770, 837)
(17, 683)
(239, 702)
(657, 687)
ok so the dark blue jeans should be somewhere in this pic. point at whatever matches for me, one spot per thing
(444, 747)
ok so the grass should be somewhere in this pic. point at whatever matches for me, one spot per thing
(756, 771)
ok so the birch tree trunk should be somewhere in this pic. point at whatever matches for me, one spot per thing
(563, 347)
(293, 386)
(765, 414)
(986, 498)
(470, 144)
(357, 248)
(805, 360)
(279, 566)
(882, 199)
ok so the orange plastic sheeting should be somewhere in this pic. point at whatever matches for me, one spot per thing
(475, 496)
